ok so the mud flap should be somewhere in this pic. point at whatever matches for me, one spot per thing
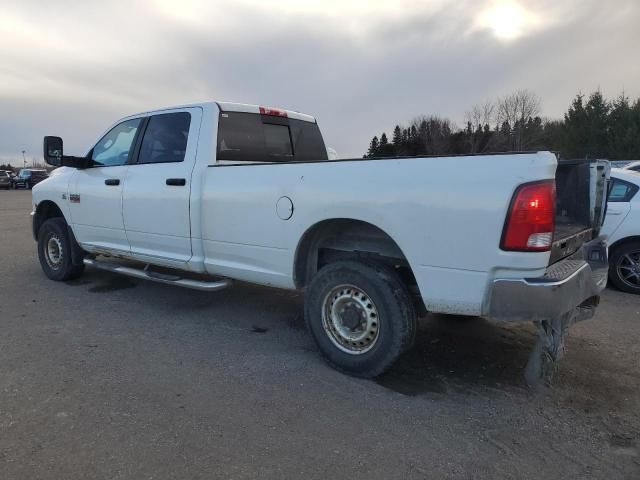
(550, 347)
(77, 254)
(547, 352)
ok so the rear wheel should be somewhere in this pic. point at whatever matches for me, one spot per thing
(361, 316)
(54, 251)
(624, 267)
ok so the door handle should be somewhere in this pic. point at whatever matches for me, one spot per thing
(112, 181)
(176, 182)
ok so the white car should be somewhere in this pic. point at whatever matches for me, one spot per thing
(622, 226)
(634, 166)
(242, 192)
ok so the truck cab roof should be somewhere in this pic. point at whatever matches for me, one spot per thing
(246, 108)
(237, 107)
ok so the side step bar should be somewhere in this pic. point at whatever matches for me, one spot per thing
(158, 277)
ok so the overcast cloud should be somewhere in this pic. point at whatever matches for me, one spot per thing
(72, 68)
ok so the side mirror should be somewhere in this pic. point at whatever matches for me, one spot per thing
(53, 151)
(54, 156)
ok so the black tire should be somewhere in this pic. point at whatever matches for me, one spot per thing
(27, 185)
(383, 292)
(622, 262)
(58, 267)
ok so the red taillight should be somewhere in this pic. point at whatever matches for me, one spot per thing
(531, 218)
(276, 112)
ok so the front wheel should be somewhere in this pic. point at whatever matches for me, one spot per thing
(361, 316)
(54, 251)
(624, 267)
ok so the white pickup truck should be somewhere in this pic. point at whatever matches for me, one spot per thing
(198, 195)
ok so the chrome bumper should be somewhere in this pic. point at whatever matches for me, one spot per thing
(572, 285)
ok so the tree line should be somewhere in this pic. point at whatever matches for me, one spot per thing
(592, 127)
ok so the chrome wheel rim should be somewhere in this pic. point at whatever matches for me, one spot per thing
(350, 319)
(628, 268)
(53, 252)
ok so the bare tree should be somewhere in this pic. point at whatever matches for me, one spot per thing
(481, 114)
(479, 120)
(431, 135)
(513, 113)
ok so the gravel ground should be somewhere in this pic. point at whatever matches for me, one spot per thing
(108, 377)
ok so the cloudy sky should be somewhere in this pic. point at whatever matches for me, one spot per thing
(72, 68)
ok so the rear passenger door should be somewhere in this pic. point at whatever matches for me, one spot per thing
(618, 205)
(156, 193)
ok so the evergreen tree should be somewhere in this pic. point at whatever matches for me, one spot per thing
(574, 135)
(373, 147)
(385, 148)
(623, 130)
(397, 137)
(597, 111)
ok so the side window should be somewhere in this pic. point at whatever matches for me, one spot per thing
(165, 138)
(115, 147)
(621, 191)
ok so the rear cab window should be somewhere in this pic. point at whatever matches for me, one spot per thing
(254, 137)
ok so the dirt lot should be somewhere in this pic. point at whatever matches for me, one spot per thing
(107, 377)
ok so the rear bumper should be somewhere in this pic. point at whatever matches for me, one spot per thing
(572, 285)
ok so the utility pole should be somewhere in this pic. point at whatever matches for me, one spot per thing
(24, 160)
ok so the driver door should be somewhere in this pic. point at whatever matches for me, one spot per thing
(95, 196)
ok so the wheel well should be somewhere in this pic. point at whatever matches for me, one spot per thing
(45, 210)
(346, 239)
(622, 241)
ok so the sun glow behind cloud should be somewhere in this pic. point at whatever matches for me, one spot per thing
(507, 20)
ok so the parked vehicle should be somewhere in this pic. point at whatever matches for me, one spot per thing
(622, 227)
(245, 192)
(5, 180)
(619, 163)
(28, 177)
(635, 166)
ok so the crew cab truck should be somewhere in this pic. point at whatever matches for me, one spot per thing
(199, 195)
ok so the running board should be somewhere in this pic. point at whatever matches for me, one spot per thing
(158, 277)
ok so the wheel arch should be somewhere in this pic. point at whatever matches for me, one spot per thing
(45, 210)
(345, 238)
(618, 243)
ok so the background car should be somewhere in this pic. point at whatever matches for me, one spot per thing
(5, 180)
(622, 226)
(620, 163)
(28, 177)
(635, 166)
